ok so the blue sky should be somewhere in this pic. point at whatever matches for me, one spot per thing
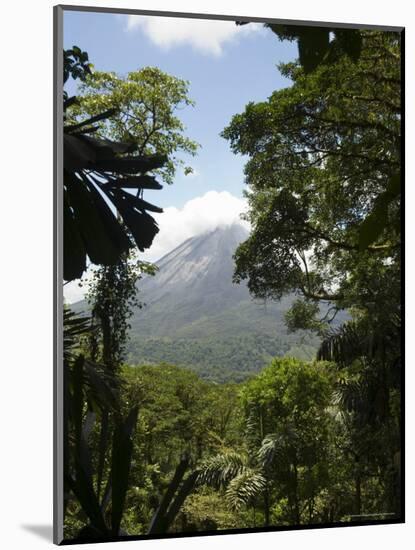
(221, 84)
(227, 66)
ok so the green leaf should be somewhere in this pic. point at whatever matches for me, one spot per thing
(374, 224)
(131, 165)
(96, 233)
(142, 226)
(91, 120)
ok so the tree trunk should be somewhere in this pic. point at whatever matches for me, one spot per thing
(266, 507)
(296, 502)
(358, 489)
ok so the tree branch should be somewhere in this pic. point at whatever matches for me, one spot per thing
(321, 296)
(343, 245)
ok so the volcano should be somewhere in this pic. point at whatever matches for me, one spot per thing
(196, 316)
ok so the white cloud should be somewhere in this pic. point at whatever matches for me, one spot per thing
(206, 36)
(213, 209)
(197, 216)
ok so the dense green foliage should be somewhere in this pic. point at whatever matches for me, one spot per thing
(320, 45)
(229, 359)
(279, 449)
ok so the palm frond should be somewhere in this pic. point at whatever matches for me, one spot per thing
(219, 470)
(356, 339)
(74, 327)
(349, 393)
(244, 488)
(97, 173)
(272, 449)
(275, 447)
(346, 344)
(100, 383)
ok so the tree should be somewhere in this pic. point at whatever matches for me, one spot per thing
(145, 103)
(142, 118)
(178, 417)
(324, 193)
(319, 45)
(112, 295)
(76, 65)
(368, 385)
(98, 430)
(287, 437)
(286, 408)
(95, 168)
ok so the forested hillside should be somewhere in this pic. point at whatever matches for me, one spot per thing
(219, 359)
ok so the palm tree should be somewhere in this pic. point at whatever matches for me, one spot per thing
(241, 479)
(368, 360)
